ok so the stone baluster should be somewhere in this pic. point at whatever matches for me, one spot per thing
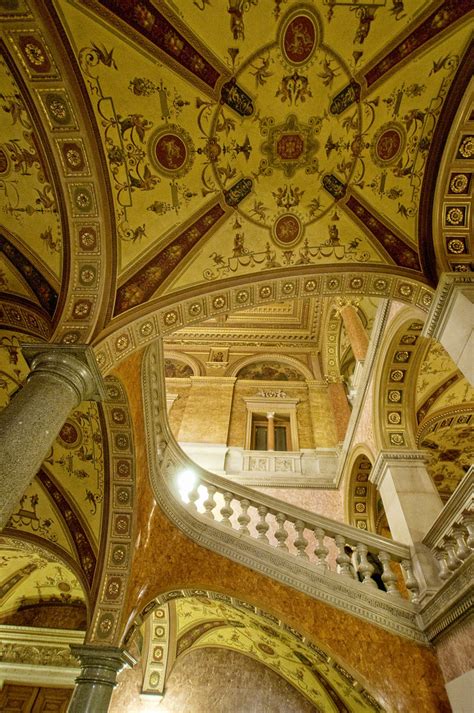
(389, 577)
(343, 560)
(244, 518)
(193, 496)
(300, 542)
(227, 510)
(410, 581)
(210, 503)
(365, 568)
(281, 534)
(468, 522)
(441, 558)
(449, 546)
(321, 551)
(462, 550)
(262, 525)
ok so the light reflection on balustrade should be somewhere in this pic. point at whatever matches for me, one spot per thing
(324, 548)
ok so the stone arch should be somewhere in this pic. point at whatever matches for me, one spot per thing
(192, 362)
(159, 318)
(394, 407)
(214, 613)
(360, 492)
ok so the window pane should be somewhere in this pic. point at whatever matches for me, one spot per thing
(280, 438)
(260, 438)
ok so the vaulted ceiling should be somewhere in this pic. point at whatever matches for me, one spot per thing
(191, 168)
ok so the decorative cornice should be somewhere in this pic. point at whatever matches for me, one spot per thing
(385, 459)
(36, 655)
(442, 304)
(453, 603)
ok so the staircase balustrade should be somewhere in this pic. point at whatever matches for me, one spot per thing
(329, 546)
(451, 537)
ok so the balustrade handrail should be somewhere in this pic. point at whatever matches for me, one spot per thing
(460, 502)
(303, 550)
(293, 513)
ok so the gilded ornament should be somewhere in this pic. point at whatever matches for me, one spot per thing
(397, 375)
(456, 246)
(466, 147)
(146, 329)
(122, 342)
(394, 396)
(394, 417)
(397, 439)
(459, 183)
(455, 216)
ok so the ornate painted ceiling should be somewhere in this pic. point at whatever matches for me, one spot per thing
(154, 149)
(204, 169)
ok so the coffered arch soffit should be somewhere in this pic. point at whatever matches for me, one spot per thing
(397, 364)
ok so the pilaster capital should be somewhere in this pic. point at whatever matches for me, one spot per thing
(72, 364)
(101, 664)
(334, 379)
(342, 302)
(386, 459)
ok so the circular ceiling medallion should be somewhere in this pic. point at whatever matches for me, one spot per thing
(299, 39)
(388, 144)
(172, 151)
(291, 134)
(70, 435)
(287, 230)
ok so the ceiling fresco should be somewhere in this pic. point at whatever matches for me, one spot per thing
(33, 575)
(209, 183)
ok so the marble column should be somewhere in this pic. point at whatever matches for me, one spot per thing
(451, 319)
(98, 678)
(356, 332)
(412, 503)
(339, 404)
(61, 377)
(271, 432)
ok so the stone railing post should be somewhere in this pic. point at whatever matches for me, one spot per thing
(100, 666)
(61, 377)
(403, 482)
(451, 319)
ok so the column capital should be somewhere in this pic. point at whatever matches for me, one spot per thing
(406, 458)
(101, 664)
(343, 302)
(334, 379)
(74, 364)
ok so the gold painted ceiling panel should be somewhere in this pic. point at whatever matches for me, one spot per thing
(28, 200)
(13, 283)
(32, 575)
